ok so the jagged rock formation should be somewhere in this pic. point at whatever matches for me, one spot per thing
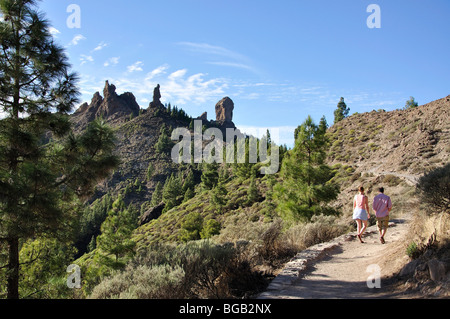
(156, 103)
(203, 117)
(224, 110)
(111, 107)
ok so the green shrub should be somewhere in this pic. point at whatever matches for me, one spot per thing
(142, 282)
(211, 228)
(198, 269)
(413, 250)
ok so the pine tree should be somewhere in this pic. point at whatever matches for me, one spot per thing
(189, 182)
(92, 244)
(171, 193)
(164, 143)
(252, 192)
(306, 186)
(116, 231)
(188, 186)
(411, 103)
(210, 175)
(341, 112)
(39, 182)
(219, 196)
(150, 171)
(157, 195)
(243, 170)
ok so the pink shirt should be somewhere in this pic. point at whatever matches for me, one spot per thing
(381, 205)
(359, 201)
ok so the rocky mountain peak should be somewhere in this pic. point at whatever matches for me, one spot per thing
(111, 107)
(109, 90)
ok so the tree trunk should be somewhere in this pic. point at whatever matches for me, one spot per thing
(13, 267)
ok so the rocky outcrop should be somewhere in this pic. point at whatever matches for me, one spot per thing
(224, 110)
(111, 107)
(151, 214)
(203, 117)
(156, 103)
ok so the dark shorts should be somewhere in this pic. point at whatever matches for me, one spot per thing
(383, 222)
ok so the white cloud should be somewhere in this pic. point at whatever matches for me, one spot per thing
(233, 59)
(112, 61)
(177, 74)
(100, 46)
(206, 48)
(136, 67)
(158, 71)
(85, 59)
(76, 39)
(232, 64)
(53, 31)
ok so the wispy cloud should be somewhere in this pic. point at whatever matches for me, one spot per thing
(136, 67)
(76, 39)
(85, 59)
(100, 46)
(111, 61)
(206, 48)
(53, 31)
(157, 72)
(232, 64)
(220, 56)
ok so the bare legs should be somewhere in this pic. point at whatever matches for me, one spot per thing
(361, 228)
(382, 233)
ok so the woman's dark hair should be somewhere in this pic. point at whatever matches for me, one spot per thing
(361, 189)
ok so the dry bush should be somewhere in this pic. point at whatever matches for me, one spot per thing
(198, 269)
(423, 226)
(143, 282)
(321, 229)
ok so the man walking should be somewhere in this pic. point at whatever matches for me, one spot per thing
(382, 206)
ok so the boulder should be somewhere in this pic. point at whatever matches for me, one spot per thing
(151, 214)
(409, 269)
(437, 269)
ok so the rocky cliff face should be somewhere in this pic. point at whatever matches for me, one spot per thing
(112, 107)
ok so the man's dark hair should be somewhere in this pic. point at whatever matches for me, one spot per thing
(381, 189)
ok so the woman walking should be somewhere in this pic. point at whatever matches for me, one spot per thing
(361, 212)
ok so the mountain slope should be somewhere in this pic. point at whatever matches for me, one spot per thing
(407, 142)
(391, 149)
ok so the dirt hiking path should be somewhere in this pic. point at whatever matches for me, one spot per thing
(339, 269)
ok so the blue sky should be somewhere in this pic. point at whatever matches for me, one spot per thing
(278, 60)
